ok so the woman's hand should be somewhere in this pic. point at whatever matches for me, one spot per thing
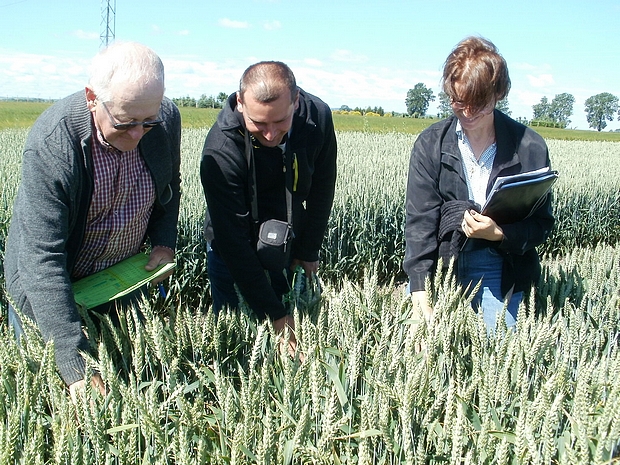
(421, 305)
(478, 226)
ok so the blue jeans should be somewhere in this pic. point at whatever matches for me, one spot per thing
(486, 264)
(223, 289)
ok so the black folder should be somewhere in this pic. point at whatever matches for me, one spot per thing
(514, 198)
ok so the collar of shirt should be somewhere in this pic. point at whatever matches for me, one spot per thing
(477, 172)
(102, 142)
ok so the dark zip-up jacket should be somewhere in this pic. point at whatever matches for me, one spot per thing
(436, 176)
(50, 212)
(224, 174)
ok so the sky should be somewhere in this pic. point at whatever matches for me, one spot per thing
(358, 53)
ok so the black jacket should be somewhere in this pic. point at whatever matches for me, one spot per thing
(436, 176)
(224, 174)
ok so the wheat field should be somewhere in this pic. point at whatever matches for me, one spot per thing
(376, 384)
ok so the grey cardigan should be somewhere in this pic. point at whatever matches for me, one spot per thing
(49, 217)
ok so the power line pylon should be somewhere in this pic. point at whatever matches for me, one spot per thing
(108, 22)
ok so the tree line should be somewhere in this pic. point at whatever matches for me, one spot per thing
(363, 111)
(203, 102)
(599, 108)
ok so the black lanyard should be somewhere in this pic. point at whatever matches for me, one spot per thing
(287, 166)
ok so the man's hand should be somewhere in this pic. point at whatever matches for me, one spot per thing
(281, 325)
(96, 382)
(479, 226)
(159, 256)
(309, 267)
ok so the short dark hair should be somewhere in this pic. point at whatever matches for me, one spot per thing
(481, 73)
(268, 79)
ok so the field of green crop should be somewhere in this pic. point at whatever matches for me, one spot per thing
(23, 114)
(376, 384)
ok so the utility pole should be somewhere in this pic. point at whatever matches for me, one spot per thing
(108, 22)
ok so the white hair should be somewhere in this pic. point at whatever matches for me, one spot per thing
(124, 63)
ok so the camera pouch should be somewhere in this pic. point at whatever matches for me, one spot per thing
(272, 246)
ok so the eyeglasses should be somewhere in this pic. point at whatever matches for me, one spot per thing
(126, 126)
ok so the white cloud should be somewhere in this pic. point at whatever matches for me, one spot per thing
(41, 76)
(522, 66)
(184, 32)
(521, 100)
(373, 87)
(524, 97)
(80, 34)
(541, 80)
(337, 83)
(229, 23)
(272, 25)
(348, 56)
(313, 62)
(194, 78)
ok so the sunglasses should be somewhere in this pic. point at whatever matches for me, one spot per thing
(126, 126)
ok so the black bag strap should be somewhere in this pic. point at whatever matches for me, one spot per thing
(288, 173)
(249, 156)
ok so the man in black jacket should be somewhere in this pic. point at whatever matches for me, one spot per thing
(288, 129)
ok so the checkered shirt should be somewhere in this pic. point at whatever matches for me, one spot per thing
(120, 208)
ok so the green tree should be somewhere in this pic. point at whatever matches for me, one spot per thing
(185, 101)
(542, 110)
(207, 102)
(379, 110)
(221, 99)
(444, 108)
(561, 109)
(418, 99)
(601, 108)
(502, 106)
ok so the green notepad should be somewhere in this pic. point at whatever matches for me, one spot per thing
(116, 281)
